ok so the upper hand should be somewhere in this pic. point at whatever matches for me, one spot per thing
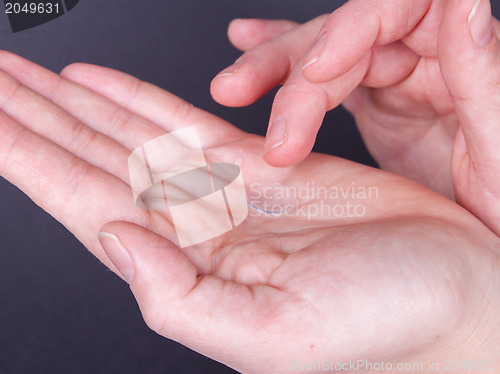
(425, 95)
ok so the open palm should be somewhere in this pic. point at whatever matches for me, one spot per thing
(408, 274)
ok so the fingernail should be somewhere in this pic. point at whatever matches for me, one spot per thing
(481, 23)
(276, 134)
(118, 254)
(231, 69)
(316, 51)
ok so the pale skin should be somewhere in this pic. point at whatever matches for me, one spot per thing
(415, 279)
(425, 96)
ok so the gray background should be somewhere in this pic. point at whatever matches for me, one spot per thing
(61, 311)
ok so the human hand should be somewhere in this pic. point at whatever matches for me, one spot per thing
(409, 277)
(425, 95)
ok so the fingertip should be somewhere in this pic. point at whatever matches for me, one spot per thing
(283, 149)
(254, 74)
(313, 57)
(298, 111)
(475, 72)
(289, 142)
(237, 33)
(247, 33)
(481, 23)
(81, 68)
(80, 72)
(234, 89)
(157, 261)
(70, 69)
(233, 24)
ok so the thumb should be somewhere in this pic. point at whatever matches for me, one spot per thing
(202, 312)
(154, 267)
(469, 56)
